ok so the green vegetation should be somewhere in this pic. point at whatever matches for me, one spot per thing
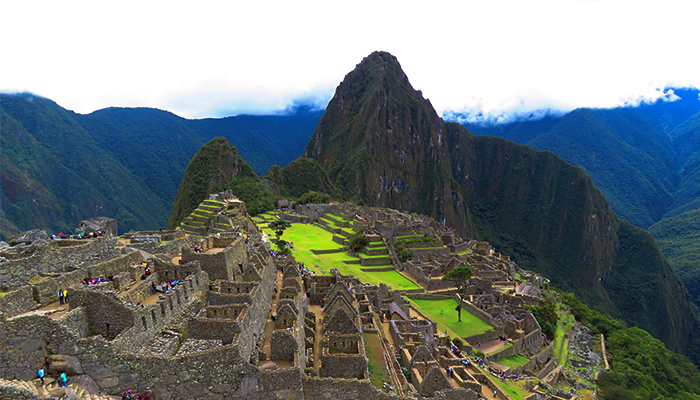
(126, 163)
(513, 361)
(679, 239)
(547, 316)
(378, 373)
(444, 314)
(358, 242)
(402, 252)
(314, 198)
(642, 367)
(459, 275)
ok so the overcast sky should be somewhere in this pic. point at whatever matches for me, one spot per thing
(211, 59)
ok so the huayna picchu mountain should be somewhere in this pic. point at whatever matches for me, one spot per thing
(383, 143)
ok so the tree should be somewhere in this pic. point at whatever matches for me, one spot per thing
(459, 312)
(358, 242)
(460, 276)
(279, 225)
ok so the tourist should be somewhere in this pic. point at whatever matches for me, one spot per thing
(63, 380)
(60, 296)
(41, 374)
(153, 288)
(65, 296)
(494, 393)
(147, 393)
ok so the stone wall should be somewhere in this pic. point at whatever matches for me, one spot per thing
(225, 264)
(17, 302)
(55, 258)
(46, 289)
(479, 313)
(549, 367)
(343, 365)
(333, 388)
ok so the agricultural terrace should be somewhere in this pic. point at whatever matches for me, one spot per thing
(307, 237)
(444, 314)
(561, 335)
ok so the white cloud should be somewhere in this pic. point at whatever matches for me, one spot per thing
(204, 59)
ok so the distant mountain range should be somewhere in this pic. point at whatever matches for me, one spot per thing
(645, 159)
(640, 157)
(382, 144)
(58, 167)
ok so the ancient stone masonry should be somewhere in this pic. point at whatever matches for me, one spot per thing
(343, 354)
(241, 322)
(53, 257)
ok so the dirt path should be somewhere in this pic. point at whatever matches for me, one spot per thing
(316, 309)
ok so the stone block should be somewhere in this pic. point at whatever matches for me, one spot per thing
(63, 363)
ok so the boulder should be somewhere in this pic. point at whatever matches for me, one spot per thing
(63, 363)
(29, 237)
(88, 384)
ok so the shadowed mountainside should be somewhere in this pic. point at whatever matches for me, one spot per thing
(59, 167)
(383, 144)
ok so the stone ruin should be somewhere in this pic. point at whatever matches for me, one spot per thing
(244, 324)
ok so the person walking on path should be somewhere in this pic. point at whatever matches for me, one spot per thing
(65, 296)
(60, 296)
(63, 380)
(41, 374)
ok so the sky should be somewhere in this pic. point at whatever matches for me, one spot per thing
(214, 58)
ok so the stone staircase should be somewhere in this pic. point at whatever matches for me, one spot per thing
(34, 390)
(204, 217)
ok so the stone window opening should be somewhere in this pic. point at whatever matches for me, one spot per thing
(162, 309)
(170, 300)
(153, 316)
(177, 297)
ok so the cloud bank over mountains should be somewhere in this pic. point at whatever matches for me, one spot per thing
(223, 58)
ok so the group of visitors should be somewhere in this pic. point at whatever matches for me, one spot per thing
(81, 235)
(166, 286)
(62, 378)
(146, 273)
(95, 281)
(198, 249)
(129, 395)
(456, 351)
(63, 296)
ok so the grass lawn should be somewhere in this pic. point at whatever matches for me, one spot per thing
(378, 373)
(513, 361)
(306, 237)
(510, 388)
(443, 312)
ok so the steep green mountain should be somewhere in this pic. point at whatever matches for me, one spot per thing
(59, 167)
(382, 143)
(214, 165)
(298, 177)
(626, 151)
(686, 142)
(679, 239)
(54, 173)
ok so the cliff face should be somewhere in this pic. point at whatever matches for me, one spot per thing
(382, 143)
